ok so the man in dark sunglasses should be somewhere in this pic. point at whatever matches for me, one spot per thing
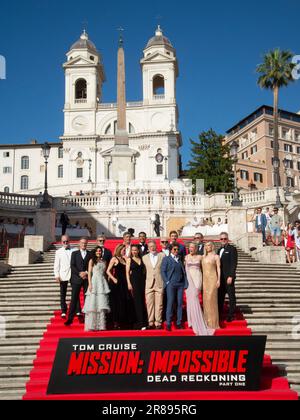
(229, 260)
(164, 243)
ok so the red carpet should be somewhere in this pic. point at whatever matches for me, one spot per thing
(273, 387)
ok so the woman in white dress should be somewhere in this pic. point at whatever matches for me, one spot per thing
(194, 312)
(97, 297)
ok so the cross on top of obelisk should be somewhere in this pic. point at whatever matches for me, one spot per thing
(121, 39)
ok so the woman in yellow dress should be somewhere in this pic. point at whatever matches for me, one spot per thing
(211, 267)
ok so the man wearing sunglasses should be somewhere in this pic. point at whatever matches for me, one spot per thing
(199, 240)
(106, 253)
(175, 281)
(62, 272)
(164, 243)
(229, 260)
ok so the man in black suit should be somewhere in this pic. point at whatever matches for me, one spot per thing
(106, 253)
(64, 221)
(229, 260)
(199, 240)
(79, 276)
(142, 246)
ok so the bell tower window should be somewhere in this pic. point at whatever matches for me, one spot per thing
(81, 90)
(159, 86)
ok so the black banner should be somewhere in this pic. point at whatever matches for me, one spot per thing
(120, 365)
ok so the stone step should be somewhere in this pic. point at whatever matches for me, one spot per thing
(15, 372)
(283, 345)
(261, 316)
(28, 325)
(22, 351)
(23, 308)
(20, 342)
(12, 384)
(21, 319)
(15, 334)
(14, 395)
(270, 321)
(11, 361)
(274, 307)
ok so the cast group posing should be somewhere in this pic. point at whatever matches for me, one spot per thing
(141, 288)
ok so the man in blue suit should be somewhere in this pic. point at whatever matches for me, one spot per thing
(175, 281)
(261, 224)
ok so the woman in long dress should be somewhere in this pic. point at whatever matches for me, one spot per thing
(136, 281)
(211, 267)
(120, 298)
(194, 275)
(97, 297)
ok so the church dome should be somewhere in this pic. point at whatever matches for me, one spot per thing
(159, 40)
(84, 43)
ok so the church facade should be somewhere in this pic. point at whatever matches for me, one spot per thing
(83, 159)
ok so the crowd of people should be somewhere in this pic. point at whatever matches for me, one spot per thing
(140, 287)
(275, 233)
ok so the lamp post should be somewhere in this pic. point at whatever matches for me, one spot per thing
(90, 170)
(286, 164)
(236, 202)
(276, 164)
(46, 204)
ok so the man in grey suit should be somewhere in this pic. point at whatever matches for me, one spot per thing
(175, 281)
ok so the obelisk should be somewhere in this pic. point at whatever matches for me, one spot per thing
(121, 133)
(122, 157)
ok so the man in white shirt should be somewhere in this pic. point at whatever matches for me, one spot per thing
(62, 271)
(154, 286)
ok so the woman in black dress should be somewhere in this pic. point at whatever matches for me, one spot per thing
(121, 303)
(136, 280)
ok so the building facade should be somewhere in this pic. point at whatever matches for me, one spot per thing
(255, 137)
(81, 160)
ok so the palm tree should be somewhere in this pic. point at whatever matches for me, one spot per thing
(275, 73)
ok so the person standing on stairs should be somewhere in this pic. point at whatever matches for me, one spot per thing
(229, 259)
(79, 278)
(64, 221)
(62, 272)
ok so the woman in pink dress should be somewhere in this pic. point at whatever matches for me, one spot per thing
(194, 312)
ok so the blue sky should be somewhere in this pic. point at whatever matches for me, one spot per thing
(218, 43)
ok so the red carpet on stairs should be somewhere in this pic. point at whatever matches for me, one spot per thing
(273, 387)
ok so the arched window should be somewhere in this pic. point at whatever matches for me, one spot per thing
(108, 130)
(60, 171)
(81, 89)
(112, 128)
(24, 182)
(131, 129)
(158, 85)
(6, 190)
(25, 162)
(60, 153)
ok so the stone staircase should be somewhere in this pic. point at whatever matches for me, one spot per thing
(269, 296)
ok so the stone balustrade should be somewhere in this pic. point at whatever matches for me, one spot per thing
(18, 200)
(110, 200)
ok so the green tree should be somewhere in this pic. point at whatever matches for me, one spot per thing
(211, 161)
(276, 72)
